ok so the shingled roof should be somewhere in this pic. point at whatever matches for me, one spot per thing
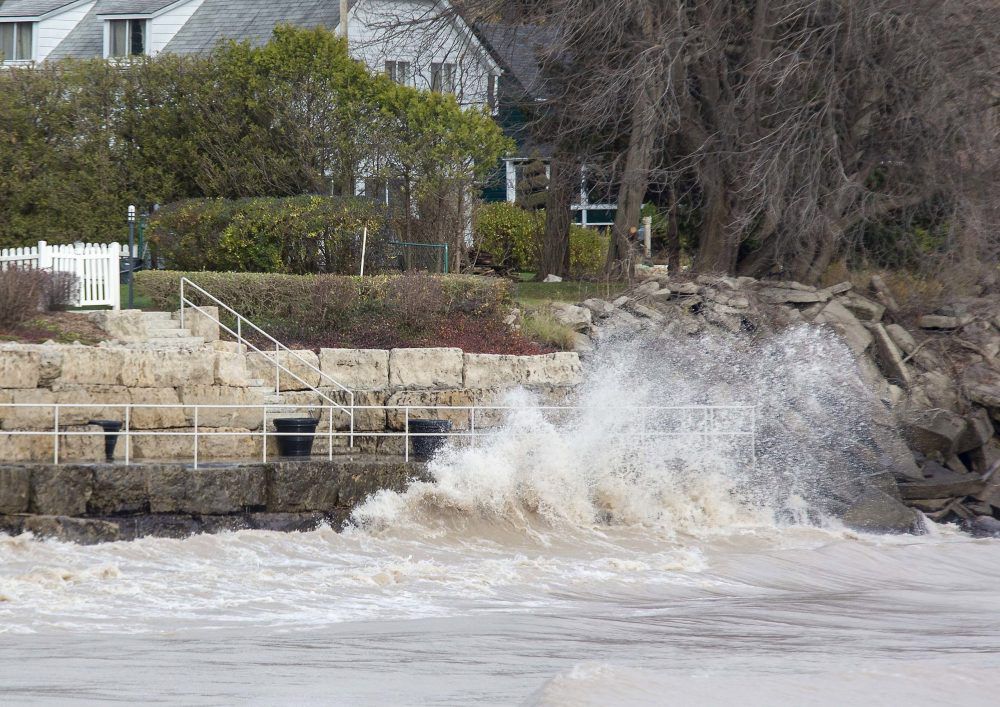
(252, 20)
(31, 8)
(212, 22)
(515, 48)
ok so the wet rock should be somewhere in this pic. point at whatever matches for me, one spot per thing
(952, 485)
(877, 512)
(303, 487)
(84, 531)
(287, 522)
(847, 325)
(15, 489)
(118, 490)
(61, 490)
(983, 527)
(208, 490)
(930, 431)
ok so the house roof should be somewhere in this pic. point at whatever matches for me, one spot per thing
(133, 7)
(252, 20)
(31, 8)
(516, 48)
(212, 22)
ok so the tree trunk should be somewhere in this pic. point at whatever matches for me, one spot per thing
(673, 235)
(635, 178)
(717, 248)
(564, 176)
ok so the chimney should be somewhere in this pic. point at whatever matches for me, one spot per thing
(343, 19)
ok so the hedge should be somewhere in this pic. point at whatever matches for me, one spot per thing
(513, 236)
(330, 310)
(295, 235)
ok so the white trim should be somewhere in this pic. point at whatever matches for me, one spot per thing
(46, 15)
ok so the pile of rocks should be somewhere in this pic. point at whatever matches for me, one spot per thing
(937, 374)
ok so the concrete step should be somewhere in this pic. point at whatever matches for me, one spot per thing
(159, 333)
(149, 316)
(257, 383)
(187, 342)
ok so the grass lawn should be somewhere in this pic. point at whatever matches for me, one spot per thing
(536, 294)
(141, 301)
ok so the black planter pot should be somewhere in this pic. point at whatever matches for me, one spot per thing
(425, 447)
(300, 444)
(110, 427)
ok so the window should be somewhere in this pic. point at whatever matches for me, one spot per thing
(443, 78)
(399, 71)
(127, 38)
(15, 41)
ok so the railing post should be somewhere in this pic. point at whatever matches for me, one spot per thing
(406, 433)
(263, 430)
(239, 332)
(182, 302)
(55, 432)
(352, 420)
(277, 372)
(195, 436)
(128, 436)
(329, 444)
(472, 424)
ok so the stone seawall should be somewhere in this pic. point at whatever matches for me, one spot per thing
(100, 380)
(91, 503)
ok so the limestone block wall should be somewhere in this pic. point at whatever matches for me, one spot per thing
(101, 381)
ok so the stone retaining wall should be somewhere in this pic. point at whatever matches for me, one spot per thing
(98, 378)
(101, 502)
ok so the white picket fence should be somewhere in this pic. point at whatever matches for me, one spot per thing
(96, 266)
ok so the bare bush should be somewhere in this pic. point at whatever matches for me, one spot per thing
(21, 294)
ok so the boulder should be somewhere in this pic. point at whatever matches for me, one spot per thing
(933, 431)
(847, 325)
(598, 307)
(863, 308)
(561, 369)
(153, 418)
(685, 288)
(356, 369)
(877, 512)
(838, 289)
(983, 527)
(647, 288)
(883, 294)
(416, 369)
(19, 369)
(889, 356)
(493, 371)
(951, 485)
(552, 278)
(936, 321)
(295, 370)
(978, 431)
(982, 384)
(576, 318)
(778, 295)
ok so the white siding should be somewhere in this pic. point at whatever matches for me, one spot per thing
(374, 42)
(163, 27)
(49, 33)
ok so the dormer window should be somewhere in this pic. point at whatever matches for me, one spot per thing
(126, 38)
(16, 41)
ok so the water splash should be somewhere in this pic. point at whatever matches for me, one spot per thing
(806, 430)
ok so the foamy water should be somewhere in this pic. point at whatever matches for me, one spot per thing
(559, 563)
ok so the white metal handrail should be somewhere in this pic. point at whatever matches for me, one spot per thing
(748, 429)
(278, 347)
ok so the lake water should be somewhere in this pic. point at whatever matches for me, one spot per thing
(561, 562)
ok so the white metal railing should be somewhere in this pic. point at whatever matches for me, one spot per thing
(704, 421)
(278, 349)
(95, 265)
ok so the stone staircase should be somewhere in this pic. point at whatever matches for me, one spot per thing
(164, 331)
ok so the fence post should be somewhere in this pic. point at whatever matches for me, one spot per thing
(44, 256)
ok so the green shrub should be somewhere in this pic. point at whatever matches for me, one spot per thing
(544, 328)
(331, 310)
(513, 237)
(295, 235)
